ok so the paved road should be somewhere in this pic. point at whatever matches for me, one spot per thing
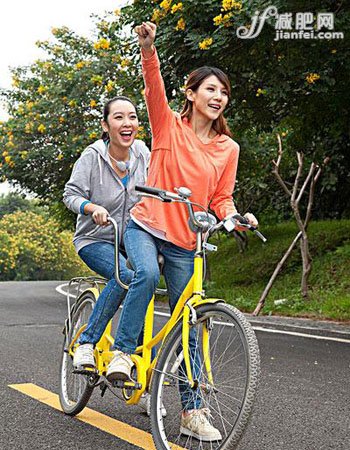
(303, 402)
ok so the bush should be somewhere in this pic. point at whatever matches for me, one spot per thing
(33, 248)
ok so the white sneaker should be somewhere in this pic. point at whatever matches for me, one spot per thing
(84, 356)
(120, 367)
(145, 403)
(196, 424)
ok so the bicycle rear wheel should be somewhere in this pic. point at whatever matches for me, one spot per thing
(235, 365)
(75, 389)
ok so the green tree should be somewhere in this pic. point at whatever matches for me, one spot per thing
(13, 202)
(55, 105)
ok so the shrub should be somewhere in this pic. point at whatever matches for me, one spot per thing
(33, 248)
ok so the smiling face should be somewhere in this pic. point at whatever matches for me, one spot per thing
(121, 124)
(210, 99)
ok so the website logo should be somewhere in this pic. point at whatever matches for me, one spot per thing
(301, 25)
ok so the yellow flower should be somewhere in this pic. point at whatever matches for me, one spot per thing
(10, 144)
(97, 79)
(125, 62)
(72, 103)
(41, 128)
(165, 4)
(59, 157)
(7, 159)
(41, 89)
(29, 105)
(109, 86)
(260, 92)
(117, 12)
(93, 103)
(204, 45)
(227, 5)
(23, 154)
(222, 20)
(47, 65)
(218, 20)
(61, 119)
(312, 77)
(176, 7)
(80, 65)
(55, 31)
(157, 15)
(29, 127)
(334, 51)
(102, 43)
(181, 24)
(15, 81)
(93, 135)
(5, 153)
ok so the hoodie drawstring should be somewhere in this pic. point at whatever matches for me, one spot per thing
(100, 167)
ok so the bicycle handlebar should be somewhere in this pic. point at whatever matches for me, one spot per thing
(183, 193)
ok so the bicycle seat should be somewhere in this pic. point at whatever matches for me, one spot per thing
(160, 263)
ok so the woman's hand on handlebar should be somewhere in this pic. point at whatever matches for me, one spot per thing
(100, 215)
(146, 33)
(252, 220)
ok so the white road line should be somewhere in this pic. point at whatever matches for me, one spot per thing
(256, 328)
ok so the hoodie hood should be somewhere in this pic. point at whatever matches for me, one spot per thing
(101, 147)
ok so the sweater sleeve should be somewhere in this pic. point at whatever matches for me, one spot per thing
(77, 189)
(160, 115)
(222, 202)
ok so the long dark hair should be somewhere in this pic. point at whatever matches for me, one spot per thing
(194, 80)
(107, 109)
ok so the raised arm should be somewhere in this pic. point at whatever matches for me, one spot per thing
(160, 115)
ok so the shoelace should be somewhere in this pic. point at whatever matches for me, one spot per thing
(126, 358)
(201, 415)
(86, 351)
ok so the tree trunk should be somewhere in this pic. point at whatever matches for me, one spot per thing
(306, 258)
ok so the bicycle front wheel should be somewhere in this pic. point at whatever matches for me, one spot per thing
(226, 369)
(75, 389)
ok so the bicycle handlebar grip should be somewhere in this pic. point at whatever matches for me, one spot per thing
(149, 190)
(242, 220)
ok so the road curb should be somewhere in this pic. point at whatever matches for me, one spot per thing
(306, 326)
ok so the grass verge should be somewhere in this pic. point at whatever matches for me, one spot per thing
(241, 277)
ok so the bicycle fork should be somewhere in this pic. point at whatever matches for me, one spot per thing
(189, 319)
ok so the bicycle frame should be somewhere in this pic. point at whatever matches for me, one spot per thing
(192, 297)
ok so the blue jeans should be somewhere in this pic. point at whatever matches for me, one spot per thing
(142, 249)
(99, 256)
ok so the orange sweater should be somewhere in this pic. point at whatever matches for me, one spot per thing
(179, 158)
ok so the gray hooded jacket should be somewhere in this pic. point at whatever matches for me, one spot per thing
(93, 179)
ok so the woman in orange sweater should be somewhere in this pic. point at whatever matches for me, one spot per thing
(191, 149)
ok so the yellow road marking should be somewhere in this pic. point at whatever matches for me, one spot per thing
(105, 423)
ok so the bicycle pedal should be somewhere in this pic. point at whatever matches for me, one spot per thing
(85, 371)
(132, 385)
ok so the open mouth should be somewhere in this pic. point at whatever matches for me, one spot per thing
(126, 134)
(216, 107)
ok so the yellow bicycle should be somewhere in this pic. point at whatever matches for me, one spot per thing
(206, 346)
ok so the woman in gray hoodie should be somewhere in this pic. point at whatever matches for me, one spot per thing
(101, 185)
